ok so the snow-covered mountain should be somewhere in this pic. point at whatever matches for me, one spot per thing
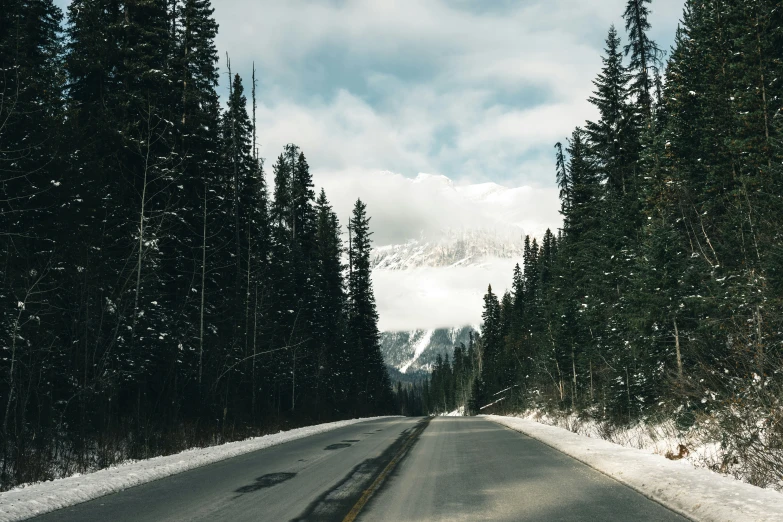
(460, 238)
(427, 268)
(455, 248)
(417, 349)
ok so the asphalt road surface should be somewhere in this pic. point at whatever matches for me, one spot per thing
(448, 468)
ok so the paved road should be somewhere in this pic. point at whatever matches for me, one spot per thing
(398, 469)
(468, 468)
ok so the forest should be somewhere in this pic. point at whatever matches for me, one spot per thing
(662, 295)
(154, 296)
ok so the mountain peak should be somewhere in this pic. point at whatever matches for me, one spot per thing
(453, 248)
(424, 177)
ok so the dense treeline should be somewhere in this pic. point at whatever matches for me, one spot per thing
(662, 295)
(153, 295)
(449, 387)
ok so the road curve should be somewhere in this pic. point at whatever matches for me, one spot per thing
(397, 469)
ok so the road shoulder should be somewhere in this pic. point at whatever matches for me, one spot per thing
(695, 493)
(44, 497)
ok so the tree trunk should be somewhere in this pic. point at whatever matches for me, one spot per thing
(293, 384)
(253, 372)
(759, 344)
(677, 349)
(591, 380)
(573, 392)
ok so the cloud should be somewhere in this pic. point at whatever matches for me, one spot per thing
(426, 298)
(376, 91)
(424, 207)
(469, 89)
(474, 90)
(428, 207)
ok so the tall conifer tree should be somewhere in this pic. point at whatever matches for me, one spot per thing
(373, 381)
(644, 54)
(611, 137)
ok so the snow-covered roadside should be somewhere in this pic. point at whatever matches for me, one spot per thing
(696, 493)
(36, 499)
(459, 412)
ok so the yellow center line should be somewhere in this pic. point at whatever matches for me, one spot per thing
(368, 493)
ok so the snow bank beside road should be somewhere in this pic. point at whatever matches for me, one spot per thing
(44, 497)
(695, 493)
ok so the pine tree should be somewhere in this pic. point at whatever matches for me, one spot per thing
(303, 250)
(31, 112)
(518, 286)
(31, 226)
(282, 290)
(372, 379)
(611, 137)
(241, 168)
(644, 54)
(585, 187)
(563, 178)
(492, 338)
(92, 61)
(140, 207)
(197, 261)
(329, 321)
(303, 196)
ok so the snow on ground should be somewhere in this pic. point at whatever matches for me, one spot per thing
(698, 444)
(696, 493)
(459, 412)
(36, 499)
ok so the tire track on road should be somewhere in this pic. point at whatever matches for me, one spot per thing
(346, 500)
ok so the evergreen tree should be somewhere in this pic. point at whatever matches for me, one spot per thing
(585, 189)
(329, 321)
(490, 358)
(611, 138)
(563, 178)
(282, 298)
(242, 178)
(644, 54)
(197, 272)
(518, 286)
(31, 226)
(373, 382)
(303, 249)
(141, 205)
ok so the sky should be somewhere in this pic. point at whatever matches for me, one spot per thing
(474, 90)
(377, 91)
(477, 90)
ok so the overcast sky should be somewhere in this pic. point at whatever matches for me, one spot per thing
(376, 91)
(473, 89)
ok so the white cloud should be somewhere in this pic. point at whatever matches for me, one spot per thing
(426, 69)
(403, 208)
(477, 90)
(464, 88)
(426, 207)
(437, 297)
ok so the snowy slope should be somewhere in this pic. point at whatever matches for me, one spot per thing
(417, 349)
(469, 223)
